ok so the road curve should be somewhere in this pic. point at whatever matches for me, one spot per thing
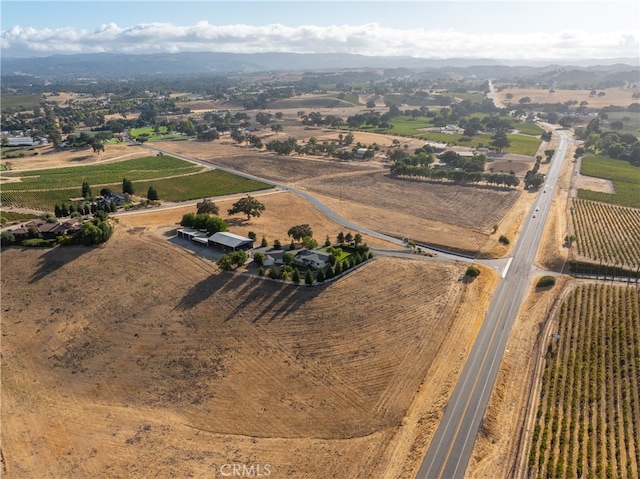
(452, 444)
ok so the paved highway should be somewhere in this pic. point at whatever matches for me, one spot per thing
(452, 444)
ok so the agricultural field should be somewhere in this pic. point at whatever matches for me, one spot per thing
(20, 102)
(607, 233)
(175, 180)
(588, 419)
(625, 178)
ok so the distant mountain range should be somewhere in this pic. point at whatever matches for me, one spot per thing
(195, 63)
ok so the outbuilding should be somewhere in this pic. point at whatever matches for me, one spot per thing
(230, 241)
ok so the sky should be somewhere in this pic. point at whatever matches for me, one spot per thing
(507, 29)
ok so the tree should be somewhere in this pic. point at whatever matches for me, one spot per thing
(97, 147)
(127, 186)
(264, 243)
(357, 239)
(213, 224)
(309, 243)
(287, 258)
(320, 277)
(500, 140)
(86, 190)
(348, 238)
(472, 271)
(239, 257)
(258, 258)
(7, 238)
(225, 263)
(152, 194)
(300, 231)
(207, 206)
(308, 279)
(295, 277)
(340, 237)
(327, 241)
(371, 104)
(263, 118)
(248, 206)
(276, 128)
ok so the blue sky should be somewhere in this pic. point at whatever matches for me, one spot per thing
(471, 29)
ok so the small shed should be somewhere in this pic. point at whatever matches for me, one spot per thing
(230, 242)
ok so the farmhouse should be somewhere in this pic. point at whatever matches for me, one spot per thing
(230, 241)
(315, 259)
(45, 229)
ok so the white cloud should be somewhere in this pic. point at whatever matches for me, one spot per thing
(369, 39)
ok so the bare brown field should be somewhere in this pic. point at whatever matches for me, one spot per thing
(366, 195)
(140, 359)
(442, 203)
(282, 211)
(613, 96)
(49, 158)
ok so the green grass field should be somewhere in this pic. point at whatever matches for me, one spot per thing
(528, 128)
(201, 185)
(105, 174)
(624, 176)
(20, 101)
(57, 185)
(11, 216)
(163, 134)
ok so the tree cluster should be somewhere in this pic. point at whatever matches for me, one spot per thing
(204, 222)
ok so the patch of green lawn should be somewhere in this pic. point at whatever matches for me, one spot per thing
(624, 176)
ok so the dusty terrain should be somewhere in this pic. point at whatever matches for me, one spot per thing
(365, 194)
(613, 96)
(140, 359)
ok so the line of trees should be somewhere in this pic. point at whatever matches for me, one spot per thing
(401, 169)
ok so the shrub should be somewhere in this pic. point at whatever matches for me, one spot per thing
(546, 281)
(274, 272)
(277, 244)
(472, 271)
(7, 238)
(264, 243)
(504, 240)
(251, 235)
(258, 258)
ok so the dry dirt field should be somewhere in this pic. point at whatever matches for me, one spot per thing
(364, 193)
(139, 359)
(613, 96)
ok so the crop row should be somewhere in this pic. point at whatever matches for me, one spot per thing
(102, 174)
(209, 183)
(588, 418)
(607, 233)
